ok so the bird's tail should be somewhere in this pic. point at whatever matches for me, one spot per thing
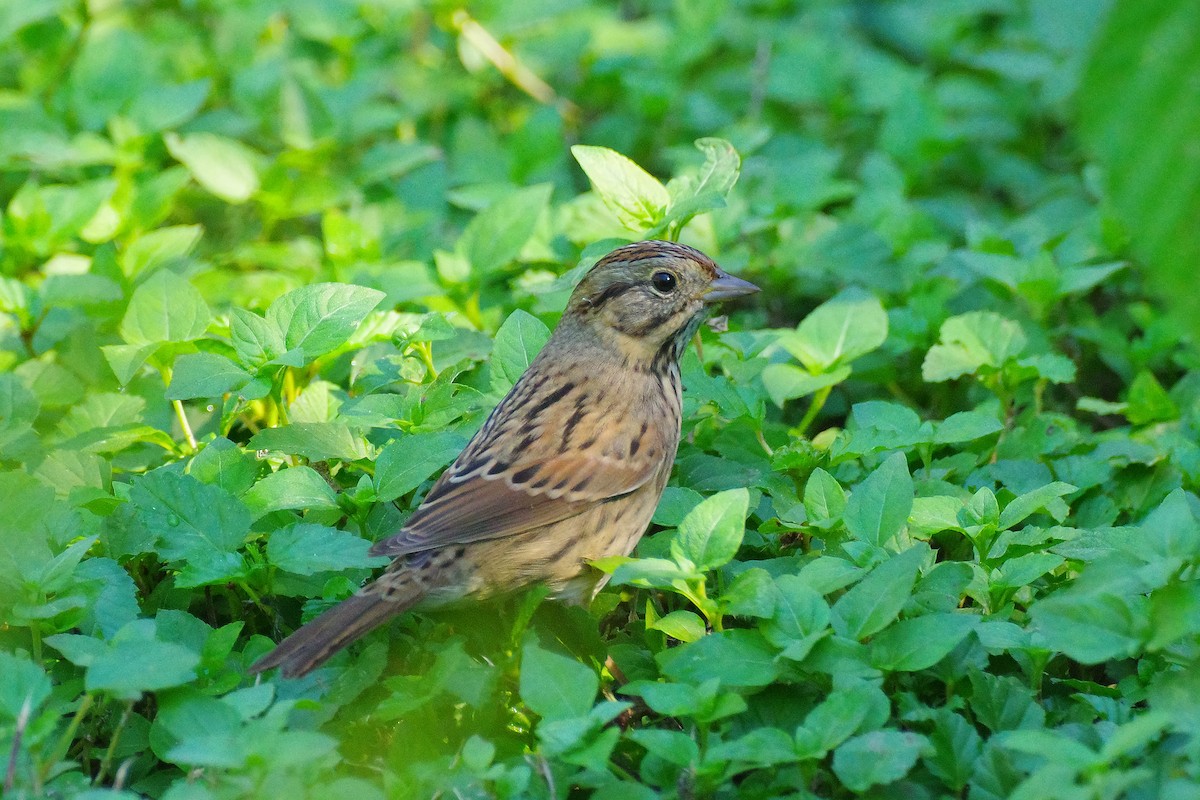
(313, 644)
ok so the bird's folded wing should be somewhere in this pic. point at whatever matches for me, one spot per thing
(487, 503)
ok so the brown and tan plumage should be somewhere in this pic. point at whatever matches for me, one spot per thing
(569, 466)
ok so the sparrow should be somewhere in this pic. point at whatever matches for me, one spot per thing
(567, 469)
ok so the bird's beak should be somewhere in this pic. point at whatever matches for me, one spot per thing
(726, 286)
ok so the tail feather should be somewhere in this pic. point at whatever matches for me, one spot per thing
(313, 644)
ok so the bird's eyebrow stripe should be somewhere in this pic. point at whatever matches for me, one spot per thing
(610, 291)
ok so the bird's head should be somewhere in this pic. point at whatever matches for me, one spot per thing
(643, 296)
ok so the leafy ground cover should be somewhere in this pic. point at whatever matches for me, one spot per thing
(265, 267)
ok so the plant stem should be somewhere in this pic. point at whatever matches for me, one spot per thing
(183, 423)
(814, 408)
(64, 742)
(112, 745)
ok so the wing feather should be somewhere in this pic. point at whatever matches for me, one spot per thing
(543, 456)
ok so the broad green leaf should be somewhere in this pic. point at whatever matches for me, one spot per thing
(956, 748)
(841, 329)
(223, 166)
(518, 342)
(966, 426)
(635, 196)
(555, 686)
(971, 341)
(711, 533)
(257, 341)
(838, 717)
(316, 319)
(824, 498)
(919, 643)
(785, 382)
(799, 612)
(738, 658)
(1141, 125)
(303, 548)
(190, 520)
(166, 308)
(1037, 500)
(408, 462)
(159, 247)
(494, 238)
(316, 441)
(1148, 402)
(876, 600)
(750, 594)
(706, 189)
(223, 463)
(1092, 627)
(204, 375)
(125, 360)
(879, 506)
(297, 488)
(24, 688)
(682, 625)
(876, 758)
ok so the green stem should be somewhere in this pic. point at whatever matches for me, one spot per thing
(64, 742)
(181, 415)
(106, 763)
(814, 408)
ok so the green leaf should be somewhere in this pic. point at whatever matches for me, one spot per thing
(970, 342)
(225, 167)
(876, 600)
(190, 520)
(799, 612)
(204, 375)
(125, 360)
(24, 688)
(919, 643)
(1141, 124)
(303, 548)
(408, 462)
(707, 188)
(1092, 627)
(956, 748)
(518, 342)
(682, 625)
(840, 330)
(1031, 502)
(555, 686)
(135, 661)
(257, 341)
(1148, 402)
(635, 196)
(296, 488)
(734, 658)
(159, 247)
(879, 506)
(316, 441)
(711, 533)
(824, 498)
(494, 238)
(838, 717)
(785, 382)
(223, 463)
(166, 308)
(319, 318)
(876, 758)
(966, 426)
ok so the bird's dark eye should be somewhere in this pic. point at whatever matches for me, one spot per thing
(663, 282)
